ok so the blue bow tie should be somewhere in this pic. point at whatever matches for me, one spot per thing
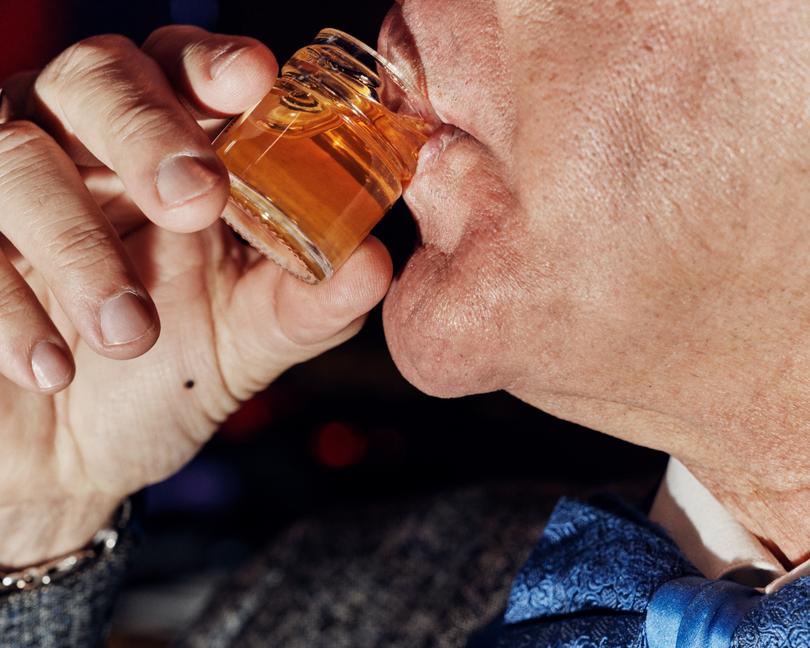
(603, 576)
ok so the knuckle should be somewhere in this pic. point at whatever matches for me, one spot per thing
(94, 51)
(21, 136)
(97, 53)
(138, 122)
(82, 246)
(108, 43)
(25, 157)
(159, 36)
(164, 36)
(14, 295)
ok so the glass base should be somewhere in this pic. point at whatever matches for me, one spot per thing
(271, 231)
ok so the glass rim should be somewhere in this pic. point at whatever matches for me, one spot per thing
(328, 35)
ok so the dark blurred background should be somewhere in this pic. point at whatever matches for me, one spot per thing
(341, 430)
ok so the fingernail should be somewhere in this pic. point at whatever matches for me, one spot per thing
(182, 178)
(50, 365)
(124, 319)
(223, 59)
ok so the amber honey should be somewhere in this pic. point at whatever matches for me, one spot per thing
(316, 164)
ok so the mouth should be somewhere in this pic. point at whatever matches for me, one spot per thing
(440, 140)
(398, 45)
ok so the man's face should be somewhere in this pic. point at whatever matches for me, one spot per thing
(599, 233)
(504, 194)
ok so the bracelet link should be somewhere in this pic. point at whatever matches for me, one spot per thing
(103, 542)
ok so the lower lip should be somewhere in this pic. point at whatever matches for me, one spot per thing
(437, 143)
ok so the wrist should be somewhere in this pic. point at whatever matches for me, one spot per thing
(34, 532)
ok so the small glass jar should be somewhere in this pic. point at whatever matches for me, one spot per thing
(316, 164)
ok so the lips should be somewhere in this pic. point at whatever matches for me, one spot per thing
(398, 44)
(445, 135)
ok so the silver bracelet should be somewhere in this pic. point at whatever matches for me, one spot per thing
(103, 543)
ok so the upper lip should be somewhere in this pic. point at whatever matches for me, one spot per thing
(441, 138)
(398, 44)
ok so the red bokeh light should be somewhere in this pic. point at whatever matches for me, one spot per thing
(32, 32)
(339, 445)
(259, 414)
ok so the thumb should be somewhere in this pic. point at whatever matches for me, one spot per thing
(282, 321)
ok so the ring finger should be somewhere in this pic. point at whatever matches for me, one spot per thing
(48, 215)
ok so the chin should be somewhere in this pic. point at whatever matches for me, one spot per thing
(442, 346)
(429, 366)
(433, 367)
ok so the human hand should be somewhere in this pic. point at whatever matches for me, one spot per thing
(617, 229)
(110, 199)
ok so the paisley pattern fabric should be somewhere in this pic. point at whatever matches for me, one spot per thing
(590, 558)
(599, 631)
(781, 619)
(590, 580)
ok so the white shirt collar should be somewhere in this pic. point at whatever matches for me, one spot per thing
(711, 538)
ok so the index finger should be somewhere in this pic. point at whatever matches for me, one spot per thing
(113, 99)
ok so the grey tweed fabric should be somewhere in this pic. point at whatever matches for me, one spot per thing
(425, 572)
(72, 612)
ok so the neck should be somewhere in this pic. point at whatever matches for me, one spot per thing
(776, 510)
(759, 474)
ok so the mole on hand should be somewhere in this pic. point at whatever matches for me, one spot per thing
(189, 384)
